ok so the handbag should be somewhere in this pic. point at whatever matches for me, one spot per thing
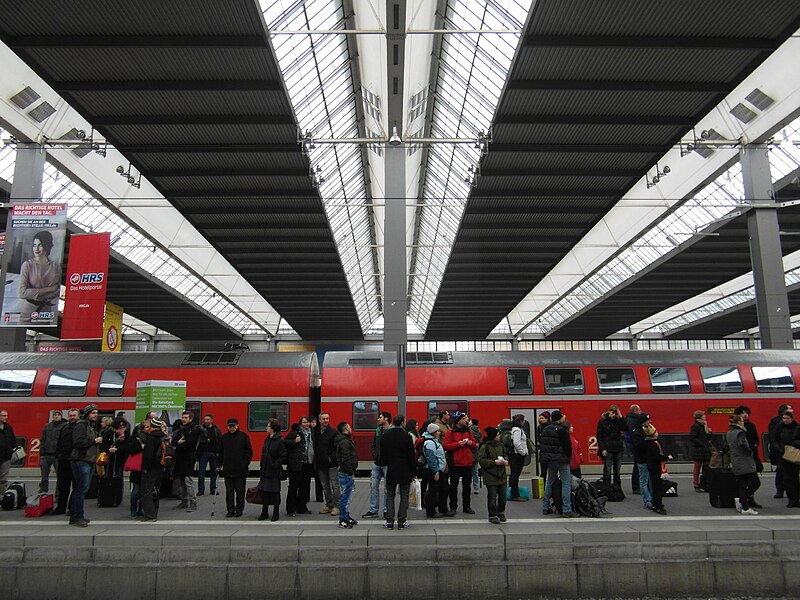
(253, 495)
(792, 455)
(415, 495)
(133, 464)
(18, 454)
(102, 459)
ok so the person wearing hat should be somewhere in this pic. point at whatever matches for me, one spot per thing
(556, 452)
(235, 453)
(152, 453)
(85, 449)
(655, 456)
(459, 442)
(434, 473)
(49, 447)
(541, 421)
(493, 462)
(640, 458)
(65, 480)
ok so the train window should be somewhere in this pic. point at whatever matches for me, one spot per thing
(669, 380)
(434, 408)
(773, 379)
(112, 382)
(16, 382)
(616, 381)
(365, 416)
(563, 381)
(258, 413)
(519, 381)
(721, 379)
(67, 382)
(196, 408)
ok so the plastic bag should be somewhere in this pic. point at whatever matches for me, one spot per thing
(415, 495)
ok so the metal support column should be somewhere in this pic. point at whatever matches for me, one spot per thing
(27, 187)
(772, 301)
(395, 305)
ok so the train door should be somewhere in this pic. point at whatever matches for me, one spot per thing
(532, 417)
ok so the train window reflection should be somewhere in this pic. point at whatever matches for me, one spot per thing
(669, 380)
(563, 381)
(365, 415)
(434, 408)
(259, 413)
(519, 381)
(67, 382)
(773, 379)
(16, 382)
(616, 381)
(721, 379)
(112, 382)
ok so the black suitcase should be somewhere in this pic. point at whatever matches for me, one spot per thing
(14, 497)
(109, 491)
(722, 488)
(91, 493)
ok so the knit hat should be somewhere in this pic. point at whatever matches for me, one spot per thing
(456, 416)
(643, 418)
(545, 414)
(556, 416)
(87, 410)
(432, 428)
(57, 412)
(491, 433)
(156, 423)
(233, 421)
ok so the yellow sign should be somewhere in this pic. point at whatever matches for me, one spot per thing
(721, 410)
(112, 328)
(296, 348)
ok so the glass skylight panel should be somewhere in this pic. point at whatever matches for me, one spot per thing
(8, 155)
(317, 74)
(472, 70)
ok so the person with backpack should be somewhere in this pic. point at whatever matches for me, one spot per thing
(347, 463)
(577, 454)
(434, 473)
(632, 421)
(188, 443)
(493, 462)
(49, 447)
(459, 443)
(556, 453)
(515, 444)
(700, 439)
(152, 457)
(8, 442)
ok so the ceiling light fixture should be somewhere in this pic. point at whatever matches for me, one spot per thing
(395, 139)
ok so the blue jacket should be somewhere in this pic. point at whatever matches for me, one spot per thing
(434, 454)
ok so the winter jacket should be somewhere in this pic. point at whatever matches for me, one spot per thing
(505, 427)
(50, 435)
(742, 461)
(84, 446)
(462, 455)
(488, 453)
(639, 449)
(787, 435)
(654, 454)
(554, 445)
(294, 450)
(443, 427)
(8, 442)
(519, 440)
(235, 454)
(435, 459)
(213, 436)
(476, 433)
(186, 453)
(577, 456)
(273, 456)
(64, 448)
(325, 447)
(152, 452)
(610, 434)
(397, 452)
(631, 422)
(345, 454)
(377, 457)
(700, 441)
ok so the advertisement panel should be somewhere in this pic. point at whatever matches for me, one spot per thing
(112, 328)
(34, 252)
(167, 398)
(87, 278)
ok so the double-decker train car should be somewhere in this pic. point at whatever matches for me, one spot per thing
(490, 386)
(253, 387)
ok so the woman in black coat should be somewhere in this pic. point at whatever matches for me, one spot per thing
(787, 433)
(700, 439)
(273, 456)
(655, 456)
(300, 466)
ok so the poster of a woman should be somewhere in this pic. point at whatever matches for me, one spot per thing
(40, 279)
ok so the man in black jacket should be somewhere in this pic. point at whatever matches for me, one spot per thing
(235, 454)
(187, 442)
(774, 448)
(7, 444)
(397, 451)
(640, 459)
(49, 449)
(65, 479)
(208, 456)
(152, 454)
(555, 450)
(610, 431)
(631, 422)
(85, 449)
(325, 455)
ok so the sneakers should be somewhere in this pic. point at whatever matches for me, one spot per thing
(648, 506)
(324, 510)
(183, 504)
(80, 523)
(737, 505)
(749, 511)
(369, 515)
(468, 510)
(345, 525)
(502, 517)
(569, 515)
(192, 507)
(351, 520)
(475, 491)
(450, 513)
(334, 512)
(548, 511)
(388, 525)
(404, 525)
(494, 520)
(660, 511)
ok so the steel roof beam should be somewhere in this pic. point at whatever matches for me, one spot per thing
(550, 193)
(621, 86)
(585, 119)
(636, 42)
(527, 172)
(559, 148)
(179, 85)
(18, 42)
(248, 194)
(226, 172)
(208, 148)
(111, 120)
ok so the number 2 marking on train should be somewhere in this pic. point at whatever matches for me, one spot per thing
(36, 443)
(593, 443)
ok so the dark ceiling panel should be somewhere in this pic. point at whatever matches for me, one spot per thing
(604, 88)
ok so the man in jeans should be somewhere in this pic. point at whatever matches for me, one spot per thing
(640, 459)
(348, 463)
(327, 468)
(85, 444)
(208, 456)
(378, 468)
(556, 451)
(186, 446)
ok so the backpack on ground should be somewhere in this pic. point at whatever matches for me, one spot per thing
(585, 500)
(611, 491)
(15, 497)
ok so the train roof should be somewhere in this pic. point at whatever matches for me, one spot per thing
(145, 360)
(561, 358)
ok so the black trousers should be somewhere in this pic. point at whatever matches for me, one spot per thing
(791, 484)
(299, 490)
(65, 483)
(151, 481)
(234, 492)
(635, 478)
(517, 462)
(656, 487)
(496, 499)
(436, 495)
(391, 493)
(465, 474)
(748, 484)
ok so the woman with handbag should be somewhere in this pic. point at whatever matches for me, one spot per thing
(789, 442)
(273, 456)
(133, 464)
(743, 465)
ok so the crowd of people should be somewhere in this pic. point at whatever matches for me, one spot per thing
(452, 454)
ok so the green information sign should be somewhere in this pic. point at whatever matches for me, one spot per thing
(167, 398)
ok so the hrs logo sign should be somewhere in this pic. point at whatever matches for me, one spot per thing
(79, 278)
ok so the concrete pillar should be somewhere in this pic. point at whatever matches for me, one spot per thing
(772, 301)
(395, 305)
(27, 187)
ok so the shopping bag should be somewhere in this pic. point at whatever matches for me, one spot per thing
(791, 454)
(133, 463)
(18, 454)
(415, 495)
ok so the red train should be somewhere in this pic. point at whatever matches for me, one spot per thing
(356, 386)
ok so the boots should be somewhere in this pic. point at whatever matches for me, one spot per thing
(264, 513)
(275, 512)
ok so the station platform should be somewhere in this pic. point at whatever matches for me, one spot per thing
(694, 551)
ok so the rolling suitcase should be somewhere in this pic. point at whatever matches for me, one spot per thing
(722, 488)
(109, 491)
